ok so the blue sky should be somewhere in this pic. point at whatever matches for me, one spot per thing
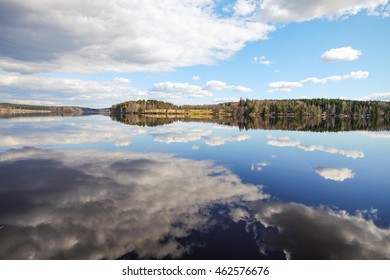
(98, 53)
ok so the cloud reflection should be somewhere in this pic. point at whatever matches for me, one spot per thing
(378, 135)
(65, 131)
(281, 141)
(180, 134)
(286, 142)
(89, 204)
(218, 141)
(335, 174)
(305, 232)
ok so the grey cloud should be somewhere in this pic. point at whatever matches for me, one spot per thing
(304, 10)
(117, 36)
(27, 34)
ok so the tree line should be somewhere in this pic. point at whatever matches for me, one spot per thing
(270, 108)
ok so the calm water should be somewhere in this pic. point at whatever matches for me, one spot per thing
(92, 188)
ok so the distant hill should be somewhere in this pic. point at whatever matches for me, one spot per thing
(11, 108)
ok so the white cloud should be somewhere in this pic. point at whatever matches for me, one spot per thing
(117, 36)
(383, 96)
(335, 174)
(338, 54)
(120, 80)
(195, 148)
(219, 85)
(196, 78)
(244, 7)
(303, 10)
(181, 88)
(67, 91)
(283, 86)
(262, 60)
(194, 91)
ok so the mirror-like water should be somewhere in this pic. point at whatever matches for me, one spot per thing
(92, 188)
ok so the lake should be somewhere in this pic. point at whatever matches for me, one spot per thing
(92, 188)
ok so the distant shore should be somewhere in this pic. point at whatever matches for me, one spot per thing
(10, 111)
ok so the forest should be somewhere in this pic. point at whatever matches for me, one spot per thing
(268, 108)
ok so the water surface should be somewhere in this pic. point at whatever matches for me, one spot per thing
(92, 188)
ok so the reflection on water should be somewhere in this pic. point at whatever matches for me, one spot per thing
(334, 173)
(91, 204)
(320, 233)
(90, 188)
(318, 124)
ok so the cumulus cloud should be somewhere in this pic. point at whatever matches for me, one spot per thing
(196, 78)
(244, 7)
(339, 54)
(86, 204)
(39, 36)
(218, 85)
(308, 233)
(335, 174)
(303, 10)
(181, 88)
(194, 91)
(283, 86)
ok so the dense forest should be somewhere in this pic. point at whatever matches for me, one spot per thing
(268, 108)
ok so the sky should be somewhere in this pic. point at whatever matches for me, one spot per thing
(98, 53)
